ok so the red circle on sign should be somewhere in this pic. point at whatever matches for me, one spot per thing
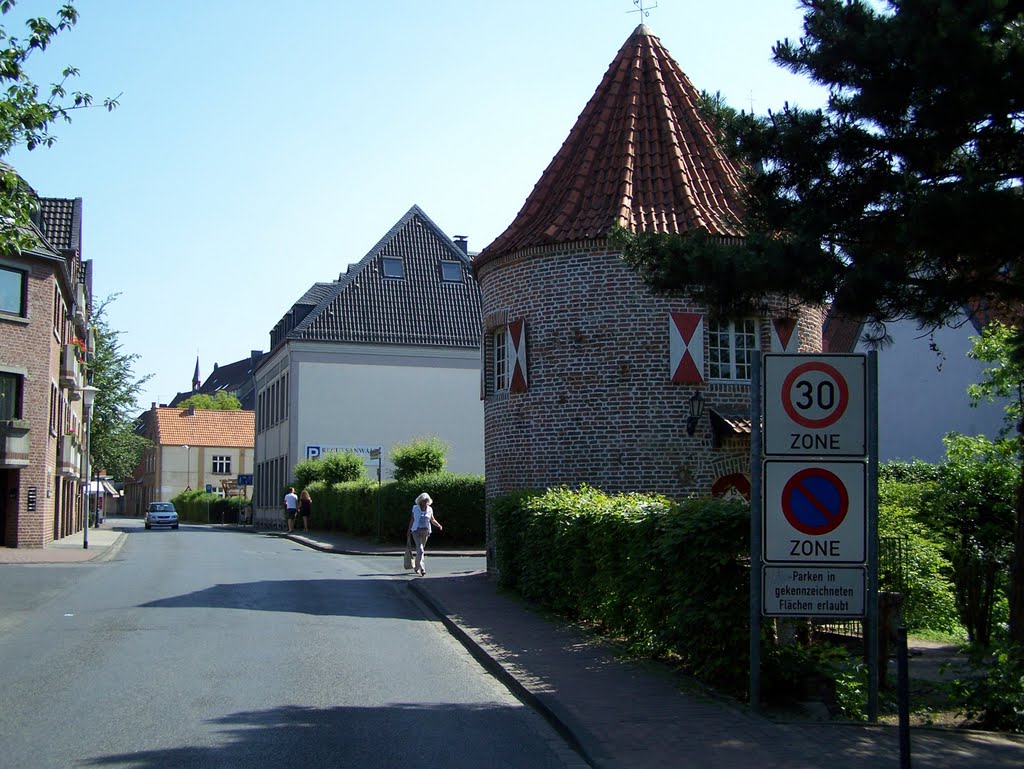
(827, 370)
(815, 501)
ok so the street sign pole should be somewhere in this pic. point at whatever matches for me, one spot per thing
(755, 533)
(871, 502)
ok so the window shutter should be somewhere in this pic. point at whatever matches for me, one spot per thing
(686, 347)
(785, 337)
(516, 330)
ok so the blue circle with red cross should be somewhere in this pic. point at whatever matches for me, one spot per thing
(815, 501)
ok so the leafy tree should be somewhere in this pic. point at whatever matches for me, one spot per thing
(26, 119)
(899, 200)
(974, 510)
(1000, 345)
(219, 401)
(116, 447)
(418, 456)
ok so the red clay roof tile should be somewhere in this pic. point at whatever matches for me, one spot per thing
(640, 156)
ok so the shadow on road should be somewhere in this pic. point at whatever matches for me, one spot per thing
(319, 597)
(402, 734)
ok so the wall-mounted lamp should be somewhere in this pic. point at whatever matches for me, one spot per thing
(696, 412)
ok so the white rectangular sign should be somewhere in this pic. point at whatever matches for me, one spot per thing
(815, 405)
(807, 591)
(366, 452)
(814, 512)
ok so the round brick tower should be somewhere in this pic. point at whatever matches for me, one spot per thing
(588, 377)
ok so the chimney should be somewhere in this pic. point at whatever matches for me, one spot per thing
(154, 405)
(191, 411)
(463, 243)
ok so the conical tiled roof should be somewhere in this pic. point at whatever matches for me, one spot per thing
(640, 155)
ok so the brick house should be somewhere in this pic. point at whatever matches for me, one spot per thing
(388, 352)
(190, 449)
(45, 296)
(588, 376)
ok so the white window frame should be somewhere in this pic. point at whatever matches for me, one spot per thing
(499, 358)
(221, 464)
(731, 345)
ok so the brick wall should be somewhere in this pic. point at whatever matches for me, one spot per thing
(600, 407)
(29, 344)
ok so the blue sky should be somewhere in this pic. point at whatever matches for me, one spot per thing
(263, 146)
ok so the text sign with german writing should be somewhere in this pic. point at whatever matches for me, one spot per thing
(814, 512)
(810, 591)
(815, 405)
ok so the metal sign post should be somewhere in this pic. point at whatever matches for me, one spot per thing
(814, 549)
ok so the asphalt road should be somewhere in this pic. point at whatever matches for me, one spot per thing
(210, 648)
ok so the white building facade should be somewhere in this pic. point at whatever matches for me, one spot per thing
(388, 353)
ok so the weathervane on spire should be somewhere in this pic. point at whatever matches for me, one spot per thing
(645, 12)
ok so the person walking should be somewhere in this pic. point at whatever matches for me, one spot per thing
(305, 508)
(291, 506)
(421, 524)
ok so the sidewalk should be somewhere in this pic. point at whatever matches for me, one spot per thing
(104, 544)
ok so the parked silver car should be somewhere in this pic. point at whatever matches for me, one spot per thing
(161, 514)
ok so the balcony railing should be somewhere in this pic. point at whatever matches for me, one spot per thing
(80, 305)
(69, 456)
(71, 371)
(13, 444)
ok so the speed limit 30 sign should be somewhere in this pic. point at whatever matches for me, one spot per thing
(814, 405)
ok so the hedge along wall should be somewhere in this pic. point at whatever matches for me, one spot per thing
(670, 578)
(352, 507)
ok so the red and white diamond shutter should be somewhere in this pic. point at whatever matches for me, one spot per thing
(516, 330)
(686, 347)
(785, 337)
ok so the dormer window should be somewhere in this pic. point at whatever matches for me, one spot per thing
(451, 272)
(393, 267)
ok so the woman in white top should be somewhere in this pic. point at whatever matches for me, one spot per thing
(420, 524)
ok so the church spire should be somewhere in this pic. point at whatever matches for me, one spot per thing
(196, 383)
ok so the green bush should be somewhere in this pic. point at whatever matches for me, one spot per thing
(200, 507)
(306, 472)
(335, 467)
(976, 514)
(993, 694)
(420, 456)
(929, 603)
(914, 472)
(667, 578)
(364, 508)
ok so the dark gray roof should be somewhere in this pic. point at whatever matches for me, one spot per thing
(418, 309)
(62, 222)
(234, 378)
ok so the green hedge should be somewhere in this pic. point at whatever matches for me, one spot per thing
(668, 578)
(200, 507)
(353, 507)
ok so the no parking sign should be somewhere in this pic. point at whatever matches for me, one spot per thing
(814, 512)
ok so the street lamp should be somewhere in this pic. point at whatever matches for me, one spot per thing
(88, 397)
(188, 466)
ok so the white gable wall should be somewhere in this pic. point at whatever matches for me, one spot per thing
(361, 395)
(922, 393)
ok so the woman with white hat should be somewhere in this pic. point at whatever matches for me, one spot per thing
(420, 525)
